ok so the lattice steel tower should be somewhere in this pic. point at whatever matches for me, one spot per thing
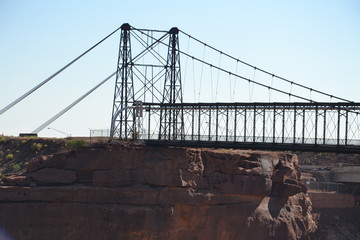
(123, 118)
(171, 119)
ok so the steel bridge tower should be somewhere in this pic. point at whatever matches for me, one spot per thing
(126, 115)
(123, 120)
(171, 118)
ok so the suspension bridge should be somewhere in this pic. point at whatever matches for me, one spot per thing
(213, 99)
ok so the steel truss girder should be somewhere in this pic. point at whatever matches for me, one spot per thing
(305, 124)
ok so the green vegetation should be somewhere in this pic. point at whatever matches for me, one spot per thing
(17, 152)
(74, 144)
(9, 156)
(1, 175)
(14, 167)
(31, 137)
(36, 147)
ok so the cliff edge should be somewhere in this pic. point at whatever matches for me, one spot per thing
(133, 191)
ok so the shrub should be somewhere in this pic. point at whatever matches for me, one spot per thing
(9, 156)
(2, 139)
(30, 137)
(75, 143)
(15, 167)
(36, 146)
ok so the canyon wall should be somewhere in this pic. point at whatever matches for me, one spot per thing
(133, 191)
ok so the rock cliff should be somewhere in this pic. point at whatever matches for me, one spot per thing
(133, 191)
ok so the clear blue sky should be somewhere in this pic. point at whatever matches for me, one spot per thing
(315, 43)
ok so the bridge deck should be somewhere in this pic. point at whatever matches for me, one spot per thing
(355, 149)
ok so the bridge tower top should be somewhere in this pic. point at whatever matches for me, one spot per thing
(126, 27)
(174, 30)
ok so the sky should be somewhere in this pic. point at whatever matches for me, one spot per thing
(314, 43)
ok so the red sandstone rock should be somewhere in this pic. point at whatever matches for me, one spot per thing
(16, 181)
(53, 176)
(282, 218)
(332, 200)
(36, 164)
(139, 192)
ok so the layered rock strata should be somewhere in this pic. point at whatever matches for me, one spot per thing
(119, 191)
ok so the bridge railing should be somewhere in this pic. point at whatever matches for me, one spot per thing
(274, 123)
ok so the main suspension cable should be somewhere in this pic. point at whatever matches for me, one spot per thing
(266, 72)
(45, 124)
(236, 75)
(55, 74)
(247, 79)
